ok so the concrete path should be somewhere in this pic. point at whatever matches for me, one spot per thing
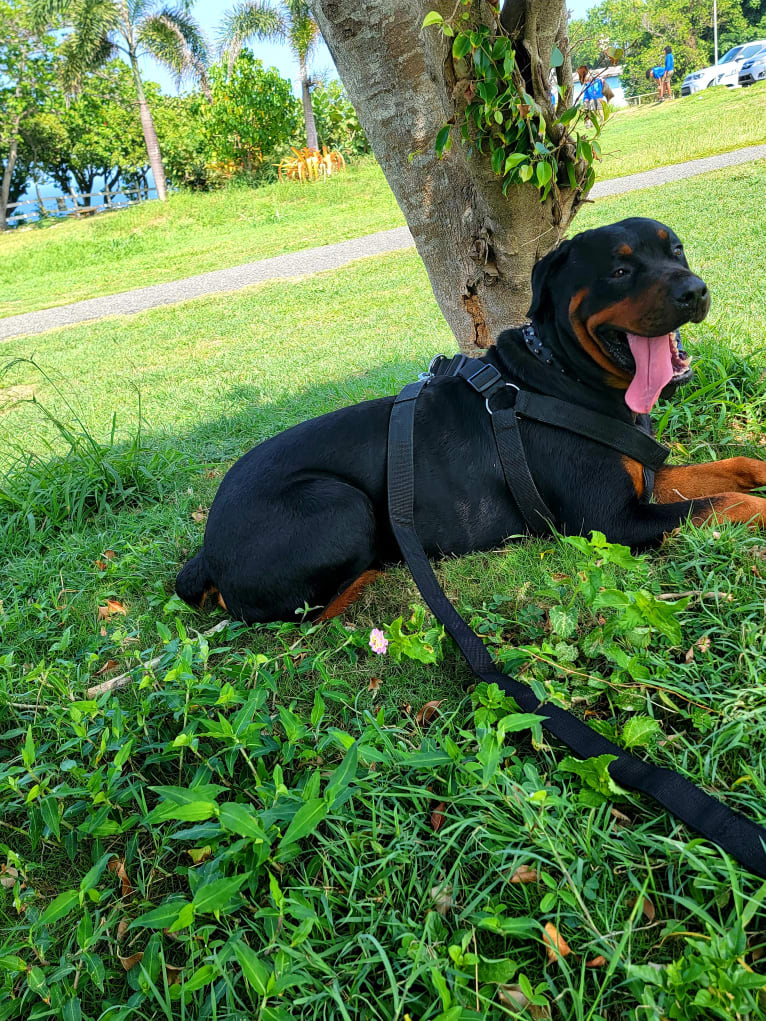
(314, 260)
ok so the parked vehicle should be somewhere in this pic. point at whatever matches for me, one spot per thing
(728, 68)
(753, 70)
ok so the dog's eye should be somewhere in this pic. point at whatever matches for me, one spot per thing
(678, 251)
(621, 272)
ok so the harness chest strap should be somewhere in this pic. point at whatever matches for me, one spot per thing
(487, 381)
(730, 830)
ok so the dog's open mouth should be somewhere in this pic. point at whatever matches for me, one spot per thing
(654, 363)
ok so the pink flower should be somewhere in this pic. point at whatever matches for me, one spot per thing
(378, 641)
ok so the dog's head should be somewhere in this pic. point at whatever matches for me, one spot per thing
(610, 302)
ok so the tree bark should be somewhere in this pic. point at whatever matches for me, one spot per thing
(150, 133)
(478, 246)
(308, 110)
(5, 187)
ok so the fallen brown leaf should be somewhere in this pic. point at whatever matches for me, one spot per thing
(199, 514)
(101, 565)
(8, 876)
(596, 962)
(109, 554)
(524, 874)
(375, 683)
(111, 664)
(437, 816)
(555, 945)
(424, 716)
(620, 817)
(442, 898)
(113, 606)
(122, 929)
(173, 974)
(132, 961)
(118, 865)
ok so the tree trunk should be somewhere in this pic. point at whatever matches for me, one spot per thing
(150, 133)
(308, 109)
(478, 246)
(5, 187)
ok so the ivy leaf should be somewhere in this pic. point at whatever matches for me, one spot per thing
(563, 622)
(514, 160)
(461, 46)
(441, 139)
(432, 18)
(557, 57)
(543, 173)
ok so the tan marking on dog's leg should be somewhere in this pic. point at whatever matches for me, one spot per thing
(348, 596)
(694, 481)
(737, 507)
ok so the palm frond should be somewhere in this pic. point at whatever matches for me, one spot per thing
(175, 39)
(252, 19)
(90, 42)
(303, 31)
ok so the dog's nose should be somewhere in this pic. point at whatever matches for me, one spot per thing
(691, 293)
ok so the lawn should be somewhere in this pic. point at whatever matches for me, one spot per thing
(265, 814)
(709, 122)
(193, 233)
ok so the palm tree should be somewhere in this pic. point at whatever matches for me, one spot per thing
(101, 28)
(288, 21)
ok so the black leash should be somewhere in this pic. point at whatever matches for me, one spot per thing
(730, 830)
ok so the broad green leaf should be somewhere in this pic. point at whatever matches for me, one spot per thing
(12, 963)
(256, 973)
(341, 777)
(557, 57)
(593, 771)
(161, 917)
(194, 811)
(202, 977)
(640, 731)
(60, 907)
(93, 875)
(217, 895)
(514, 160)
(239, 819)
(305, 821)
(49, 807)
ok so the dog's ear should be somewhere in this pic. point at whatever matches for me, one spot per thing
(542, 272)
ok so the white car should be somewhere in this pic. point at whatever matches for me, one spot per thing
(753, 70)
(727, 68)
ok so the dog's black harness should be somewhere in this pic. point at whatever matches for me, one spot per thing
(733, 832)
(506, 402)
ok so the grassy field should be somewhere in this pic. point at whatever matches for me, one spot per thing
(264, 814)
(709, 122)
(194, 233)
(191, 233)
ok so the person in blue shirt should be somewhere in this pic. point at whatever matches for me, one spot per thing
(669, 68)
(594, 94)
(658, 74)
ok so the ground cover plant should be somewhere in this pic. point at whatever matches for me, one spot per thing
(196, 232)
(280, 820)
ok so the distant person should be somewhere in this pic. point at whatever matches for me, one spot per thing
(593, 96)
(670, 65)
(657, 74)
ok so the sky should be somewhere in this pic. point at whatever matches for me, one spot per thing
(208, 13)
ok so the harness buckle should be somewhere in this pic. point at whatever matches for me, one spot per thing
(512, 386)
(483, 378)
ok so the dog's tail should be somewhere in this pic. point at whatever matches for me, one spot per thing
(194, 583)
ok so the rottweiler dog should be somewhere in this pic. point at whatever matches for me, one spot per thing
(301, 520)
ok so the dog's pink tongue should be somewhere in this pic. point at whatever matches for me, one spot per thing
(654, 370)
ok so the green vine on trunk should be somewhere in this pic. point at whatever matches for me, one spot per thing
(496, 115)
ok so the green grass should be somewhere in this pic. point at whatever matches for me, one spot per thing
(373, 914)
(709, 122)
(194, 233)
(191, 233)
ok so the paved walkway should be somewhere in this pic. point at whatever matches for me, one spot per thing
(314, 260)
